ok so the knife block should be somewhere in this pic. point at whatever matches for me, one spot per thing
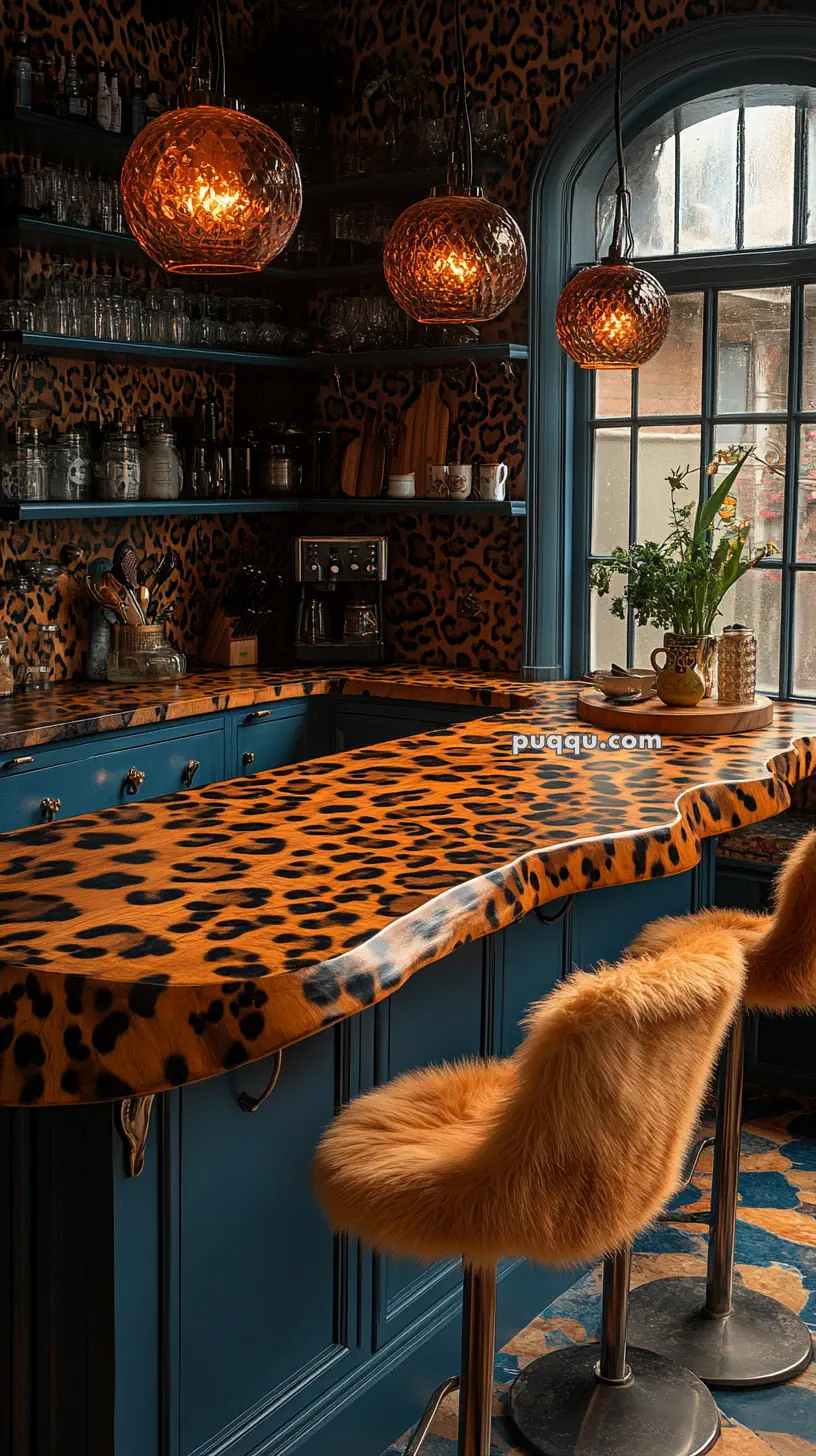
(221, 645)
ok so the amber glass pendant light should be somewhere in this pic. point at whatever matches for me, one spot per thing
(455, 258)
(614, 315)
(206, 188)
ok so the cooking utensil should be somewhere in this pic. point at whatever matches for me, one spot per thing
(126, 565)
(106, 597)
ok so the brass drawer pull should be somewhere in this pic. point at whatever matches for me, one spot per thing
(134, 778)
(15, 762)
(50, 808)
(248, 759)
(189, 772)
(254, 717)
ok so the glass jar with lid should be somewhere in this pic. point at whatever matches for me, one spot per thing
(70, 470)
(162, 470)
(6, 670)
(119, 476)
(24, 475)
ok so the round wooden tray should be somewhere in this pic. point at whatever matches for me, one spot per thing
(652, 716)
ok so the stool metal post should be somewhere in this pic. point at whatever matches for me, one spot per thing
(725, 1176)
(478, 1360)
(610, 1399)
(732, 1337)
(612, 1366)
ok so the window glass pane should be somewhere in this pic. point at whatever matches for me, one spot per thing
(607, 635)
(708, 184)
(760, 485)
(752, 351)
(610, 490)
(613, 393)
(650, 172)
(672, 382)
(770, 133)
(811, 181)
(756, 601)
(646, 640)
(809, 348)
(661, 450)
(806, 533)
(804, 639)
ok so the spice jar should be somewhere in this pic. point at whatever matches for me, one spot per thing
(6, 670)
(120, 467)
(69, 467)
(25, 471)
(163, 472)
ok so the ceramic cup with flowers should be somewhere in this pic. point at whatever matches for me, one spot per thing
(678, 583)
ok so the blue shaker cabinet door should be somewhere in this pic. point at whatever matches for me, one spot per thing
(435, 1017)
(267, 1294)
(271, 737)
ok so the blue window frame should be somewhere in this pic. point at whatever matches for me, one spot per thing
(733, 103)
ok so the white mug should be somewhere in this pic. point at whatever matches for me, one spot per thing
(459, 481)
(491, 481)
(402, 487)
(437, 481)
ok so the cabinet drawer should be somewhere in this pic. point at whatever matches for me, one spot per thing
(101, 779)
(273, 737)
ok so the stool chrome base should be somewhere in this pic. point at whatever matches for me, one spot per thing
(759, 1343)
(559, 1407)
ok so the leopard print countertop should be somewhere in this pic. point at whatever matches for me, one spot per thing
(149, 946)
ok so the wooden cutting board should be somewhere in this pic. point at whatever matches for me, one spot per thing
(372, 458)
(423, 435)
(437, 428)
(350, 469)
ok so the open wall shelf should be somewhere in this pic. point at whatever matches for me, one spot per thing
(332, 506)
(315, 364)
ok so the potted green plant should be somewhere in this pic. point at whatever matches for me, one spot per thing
(679, 583)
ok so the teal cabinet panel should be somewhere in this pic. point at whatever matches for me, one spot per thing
(268, 737)
(534, 956)
(88, 777)
(604, 922)
(362, 722)
(267, 1295)
(437, 1016)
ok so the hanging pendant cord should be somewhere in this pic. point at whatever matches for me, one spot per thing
(623, 241)
(462, 159)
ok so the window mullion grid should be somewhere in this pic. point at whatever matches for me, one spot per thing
(633, 524)
(800, 178)
(709, 403)
(790, 519)
(740, 211)
(676, 183)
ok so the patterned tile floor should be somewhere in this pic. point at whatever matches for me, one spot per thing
(776, 1253)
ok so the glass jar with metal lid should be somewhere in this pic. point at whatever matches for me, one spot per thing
(119, 474)
(6, 670)
(163, 471)
(25, 471)
(70, 470)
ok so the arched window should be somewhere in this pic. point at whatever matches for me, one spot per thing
(724, 187)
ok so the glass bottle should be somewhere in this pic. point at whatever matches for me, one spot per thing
(76, 100)
(40, 674)
(138, 110)
(208, 477)
(104, 104)
(116, 102)
(19, 75)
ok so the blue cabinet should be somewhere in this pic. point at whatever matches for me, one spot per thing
(362, 722)
(268, 737)
(87, 775)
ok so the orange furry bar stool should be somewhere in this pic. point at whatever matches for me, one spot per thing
(560, 1154)
(733, 1337)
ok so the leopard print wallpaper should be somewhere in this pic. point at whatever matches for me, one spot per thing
(535, 61)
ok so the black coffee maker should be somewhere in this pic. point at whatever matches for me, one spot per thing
(340, 612)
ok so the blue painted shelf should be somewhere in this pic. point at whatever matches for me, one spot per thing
(159, 354)
(333, 506)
